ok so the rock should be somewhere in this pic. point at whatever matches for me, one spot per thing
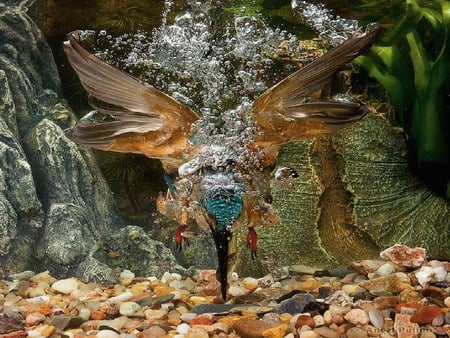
(366, 266)
(19, 203)
(8, 325)
(352, 289)
(34, 319)
(250, 328)
(201, 320)
(64, 322)
(425, 314)
(296, 304)
(404, 328)
(65, 286)
(196, 333)
(43, 277)
(305, 320)
(107, 334)
(356, 332)
(278, 331)
(392, 283)
(309, 334)
(319, 320)
(405, 256)
(74, 217)
(154, 331)
(236, 291)
(131, 309)
(208, 281)
(131, 242)
(94, 271)
(24, 275)
(326, 332)
(434, 271)
(447, 302)
(357, 317)
(376, 318)
(433, 293)
(386, 269)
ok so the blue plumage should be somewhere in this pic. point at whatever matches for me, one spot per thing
(224, 206)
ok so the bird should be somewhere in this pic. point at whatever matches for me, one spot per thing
(220, 179)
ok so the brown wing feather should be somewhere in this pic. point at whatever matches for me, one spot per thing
(131, 116)
(282, 113)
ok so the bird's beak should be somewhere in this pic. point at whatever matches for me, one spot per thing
(222, 240)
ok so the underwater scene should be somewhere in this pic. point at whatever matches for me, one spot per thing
(224, 168)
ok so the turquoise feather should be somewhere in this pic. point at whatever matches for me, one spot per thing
(224, 207)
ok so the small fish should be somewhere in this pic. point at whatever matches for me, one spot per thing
(221, 178)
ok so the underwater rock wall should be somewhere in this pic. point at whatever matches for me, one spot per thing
(355, 196)
(55, 206)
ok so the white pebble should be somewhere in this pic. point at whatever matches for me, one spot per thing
(376, 318)
(309, 334)
(237, 291)
(127, 274)
(183, 328)
(438, 320)
(85, 313)
(39, 299)
(327, 316)
(319, 320)
(434, 272)
(447, 302)
(65, 286)
(107, 334)
(123, 297)
(188, 316)
(386, 269)
(131, 309)
(34, 334)
(357, 317)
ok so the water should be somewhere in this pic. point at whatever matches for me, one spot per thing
(207, 59)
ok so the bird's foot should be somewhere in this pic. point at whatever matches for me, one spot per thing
(252, 241)
(181, 236)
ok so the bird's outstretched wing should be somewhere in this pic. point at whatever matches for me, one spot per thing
(284, 114)
(130, 116)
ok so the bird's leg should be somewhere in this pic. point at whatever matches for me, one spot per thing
(252, 240)
(181, 232)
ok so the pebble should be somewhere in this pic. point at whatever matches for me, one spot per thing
(309, 334)
(326, 332)
(24, 275)
(107, 334)
(179, 307)
(131, 309)
(356, 332)
(404, 255)
(376, 318)
(250, 328)
(65, 286)
(447, 302)
(357, 317)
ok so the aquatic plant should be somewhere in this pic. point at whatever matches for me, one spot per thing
(412, 62)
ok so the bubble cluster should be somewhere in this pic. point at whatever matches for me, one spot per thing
(330, 27)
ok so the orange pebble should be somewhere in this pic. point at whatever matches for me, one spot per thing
(425, 314)
(97, 315)
(201, 320)
(278, 331)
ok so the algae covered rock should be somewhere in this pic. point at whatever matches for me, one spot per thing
(131, 248)
(54, 203)
(21, 215)
(355, 196)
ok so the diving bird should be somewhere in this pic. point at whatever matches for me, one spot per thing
(221, 178)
